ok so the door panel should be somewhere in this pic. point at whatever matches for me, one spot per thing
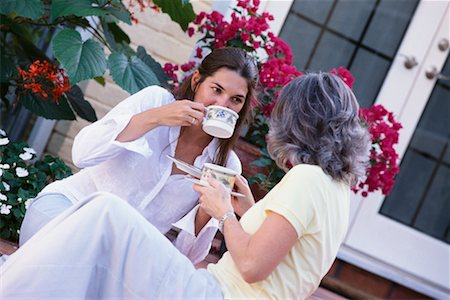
(407, 233)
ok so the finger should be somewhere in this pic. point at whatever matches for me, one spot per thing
(241, 182)
(215, 183)
(197, 106)
(199, 188)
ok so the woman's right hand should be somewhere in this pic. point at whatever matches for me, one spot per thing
(242, 204)
(180, 113)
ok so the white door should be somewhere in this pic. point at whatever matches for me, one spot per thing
(386, 244)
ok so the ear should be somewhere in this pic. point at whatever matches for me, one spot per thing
(195, 80)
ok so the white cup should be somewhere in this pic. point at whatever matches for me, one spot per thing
(222, 174)
(219, 121)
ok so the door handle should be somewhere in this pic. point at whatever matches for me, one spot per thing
(410, 61)
(433, 73)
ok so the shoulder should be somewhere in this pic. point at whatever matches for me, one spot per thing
(155, 93)
(149, 97)
(309, 173)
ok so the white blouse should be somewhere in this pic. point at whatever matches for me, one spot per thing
(139, 171)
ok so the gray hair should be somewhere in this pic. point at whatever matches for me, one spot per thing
(315, 121)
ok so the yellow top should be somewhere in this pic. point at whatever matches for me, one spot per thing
(318, 208)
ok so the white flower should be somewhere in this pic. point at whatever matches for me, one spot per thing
(19, 200)
(2, 132)
(4, 141)
(29, 150)
(5, 209)
(4, 166)
(7, 186)
(26, 156)
(27, 203)
(3, 197)
(21, 172)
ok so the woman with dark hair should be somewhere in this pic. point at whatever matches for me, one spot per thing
(280, 249)
(125, 152)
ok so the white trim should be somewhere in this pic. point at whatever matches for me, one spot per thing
(384, 270)
(279, 9)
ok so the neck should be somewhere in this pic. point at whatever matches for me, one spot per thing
(192, 141)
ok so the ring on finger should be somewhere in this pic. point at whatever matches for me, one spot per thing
(194, 120)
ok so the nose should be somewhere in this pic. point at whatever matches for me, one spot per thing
(222, 100)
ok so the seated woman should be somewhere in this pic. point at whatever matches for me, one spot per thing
(125, 152)
(281, 247)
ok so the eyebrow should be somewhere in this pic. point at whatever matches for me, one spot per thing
(239, 96)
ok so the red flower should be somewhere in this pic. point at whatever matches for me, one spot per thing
(345, 75)
(44, 80)
(383, 157)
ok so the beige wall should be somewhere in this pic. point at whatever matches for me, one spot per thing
(162, 38)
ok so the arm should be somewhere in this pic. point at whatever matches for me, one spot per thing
(121, 128)
(249, 252)
(178, 113)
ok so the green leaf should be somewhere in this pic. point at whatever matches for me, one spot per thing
(114, 35)
(132, 74)
(117, 39)
(80, 105)
(32, 9)
(262, 162)
(7, 69)
(100, 80)
(85, 8)
(81, 60)
(48, 109)
(154, 66)
(180, 11)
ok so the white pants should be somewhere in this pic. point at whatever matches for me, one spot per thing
(102, 248)
(42, 210)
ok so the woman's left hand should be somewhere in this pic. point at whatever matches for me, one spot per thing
(215, 200)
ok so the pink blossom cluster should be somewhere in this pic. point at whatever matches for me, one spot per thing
(249, 30)
(345, 75)
(383, 157)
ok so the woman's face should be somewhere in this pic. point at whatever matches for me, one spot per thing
(225, 88)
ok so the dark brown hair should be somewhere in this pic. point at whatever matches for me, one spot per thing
(234, 59)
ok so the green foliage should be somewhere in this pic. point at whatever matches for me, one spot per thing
(81, 60)
(179, 11)
(132, 74)
(30, 28)
(32, 9)
(47, 109)
(21, 181)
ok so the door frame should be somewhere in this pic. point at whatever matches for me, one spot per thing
(411, 91)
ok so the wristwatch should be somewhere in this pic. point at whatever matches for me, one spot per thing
(229, 214)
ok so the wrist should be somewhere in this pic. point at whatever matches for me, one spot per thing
(226, 216)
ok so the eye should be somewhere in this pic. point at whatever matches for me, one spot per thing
(237, 100)
(216, 90)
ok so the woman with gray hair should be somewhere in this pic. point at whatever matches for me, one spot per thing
(281, 247)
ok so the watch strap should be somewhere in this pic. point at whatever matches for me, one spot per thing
(229, 214)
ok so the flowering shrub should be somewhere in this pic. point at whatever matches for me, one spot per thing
(41, 36)
(21, 180)
(249, 30)
(383, 157)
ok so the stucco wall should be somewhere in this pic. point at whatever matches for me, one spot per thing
(164, 41)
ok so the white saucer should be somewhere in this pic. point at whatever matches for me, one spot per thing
(195, 180)
(188, 168)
